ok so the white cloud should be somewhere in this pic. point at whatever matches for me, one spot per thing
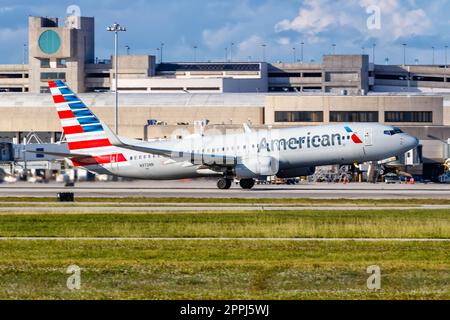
(399, 19)
(6, 9)
(215, 38)
(283, 41)
(311, 19)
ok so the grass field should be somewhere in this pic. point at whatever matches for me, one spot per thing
(286, 224)
(231, 269)
(223, 270)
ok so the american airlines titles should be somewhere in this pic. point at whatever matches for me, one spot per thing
(325, 140)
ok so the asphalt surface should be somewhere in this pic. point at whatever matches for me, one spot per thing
(207, 189)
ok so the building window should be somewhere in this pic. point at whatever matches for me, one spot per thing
(353, 116)
(298, 116)
(12, 89)
(203, 89)
(312, 74)
(45, 90)
(11, 75)
(408, 116)
(45, 63)
(285, 75)
(61, 63)
(53, 76)
(98, 75)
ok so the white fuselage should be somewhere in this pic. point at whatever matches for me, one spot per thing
(290, 148)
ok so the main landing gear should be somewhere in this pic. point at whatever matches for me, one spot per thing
(225, 183)
(247, 183)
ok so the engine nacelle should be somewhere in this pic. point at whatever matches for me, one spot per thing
(296, 172)
(257, 166)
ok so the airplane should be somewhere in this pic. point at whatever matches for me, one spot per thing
(253, 154)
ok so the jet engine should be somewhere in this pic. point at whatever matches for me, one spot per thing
(296, 172)
(257, 166)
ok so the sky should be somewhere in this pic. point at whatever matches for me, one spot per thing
(241, 27)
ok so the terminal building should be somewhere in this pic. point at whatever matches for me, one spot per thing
(343, 88)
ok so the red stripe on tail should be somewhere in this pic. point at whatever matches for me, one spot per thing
(58, 99)
(73, 130)
(67, 114)
(89, 161)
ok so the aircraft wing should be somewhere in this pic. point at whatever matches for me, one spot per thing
(173, 154)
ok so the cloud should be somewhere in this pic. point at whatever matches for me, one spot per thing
(216, 38)
(283, 41)
(6, 9)
(313, 18)
(321, 19)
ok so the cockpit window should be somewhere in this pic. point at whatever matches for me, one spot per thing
(393, 132)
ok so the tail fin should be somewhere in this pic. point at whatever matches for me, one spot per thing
(84, 132)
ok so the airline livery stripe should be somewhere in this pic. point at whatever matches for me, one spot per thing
(66, 114)
(90, 120)
(83, 136)
(94, 128)
(82, 113)
(89, 144)
(110, 158)
(52, 84)
(62, 107)
(77, 105)
(58, 99)
(65, 91)
(69, 122)
(73, 130)
(71, 98)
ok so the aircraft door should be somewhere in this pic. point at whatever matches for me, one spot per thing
(368, 137)
(114, 161)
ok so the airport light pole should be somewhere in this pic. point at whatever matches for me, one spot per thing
(404, 54)
(127, 47)
(24, 61)
(301, 51)
(334, 48)
(294, 53)
(432, 48)
(373, 53)
(116, 28)
(161, 52)
(231, 52)
(446, 50)
(195, 53)
(264, 52)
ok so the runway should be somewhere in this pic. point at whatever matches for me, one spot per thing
(206, 189)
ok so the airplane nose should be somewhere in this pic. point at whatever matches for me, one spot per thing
(411, 142)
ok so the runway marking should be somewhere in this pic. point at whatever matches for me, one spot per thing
(221, 239)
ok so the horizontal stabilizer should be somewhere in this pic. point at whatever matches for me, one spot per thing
(60, 154)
